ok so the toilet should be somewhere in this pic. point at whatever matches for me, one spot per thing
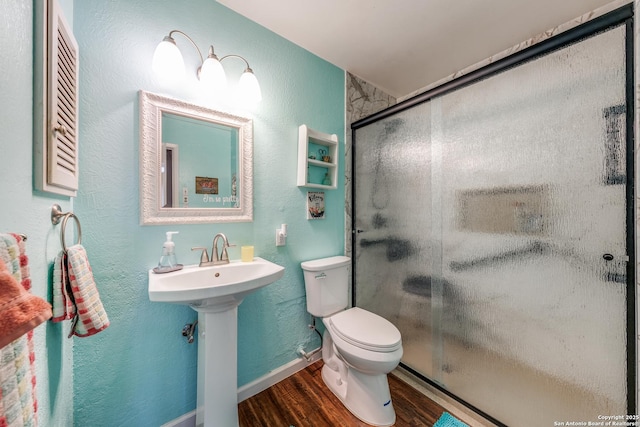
(359, 348)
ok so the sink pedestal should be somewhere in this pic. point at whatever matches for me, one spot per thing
(217, 365)
(215, 292)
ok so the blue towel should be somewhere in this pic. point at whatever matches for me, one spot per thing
(448, 420)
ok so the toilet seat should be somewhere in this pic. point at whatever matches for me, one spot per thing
(366, 330)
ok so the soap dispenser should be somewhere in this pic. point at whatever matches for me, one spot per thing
(168, 262)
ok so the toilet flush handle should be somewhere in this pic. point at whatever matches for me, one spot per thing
(320, 276)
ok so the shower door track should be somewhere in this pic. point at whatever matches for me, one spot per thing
(621, 16)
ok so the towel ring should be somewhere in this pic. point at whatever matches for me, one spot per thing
(56, 214)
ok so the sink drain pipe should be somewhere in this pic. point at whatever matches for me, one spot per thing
(189, 331)
(309, 355)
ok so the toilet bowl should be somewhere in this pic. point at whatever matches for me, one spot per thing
(356, 371)
(359, 348)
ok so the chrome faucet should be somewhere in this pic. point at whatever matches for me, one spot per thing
(215, 259)
(224, 258)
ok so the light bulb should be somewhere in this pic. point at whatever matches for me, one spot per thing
(248, 88)
(167, 61)
(212, 74)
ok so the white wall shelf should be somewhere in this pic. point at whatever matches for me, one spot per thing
(313, 171)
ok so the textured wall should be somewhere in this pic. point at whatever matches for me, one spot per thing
(23, 211)
(140, 371)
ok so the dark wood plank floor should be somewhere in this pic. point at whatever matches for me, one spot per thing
(303, 400)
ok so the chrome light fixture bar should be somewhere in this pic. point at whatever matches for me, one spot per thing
(169, 66)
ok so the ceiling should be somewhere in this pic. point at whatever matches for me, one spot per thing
(401, 46)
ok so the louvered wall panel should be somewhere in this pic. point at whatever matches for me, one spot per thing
(63, 104)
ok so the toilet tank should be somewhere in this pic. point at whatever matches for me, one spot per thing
(326, 282)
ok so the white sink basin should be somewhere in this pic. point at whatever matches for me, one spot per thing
(218, 284)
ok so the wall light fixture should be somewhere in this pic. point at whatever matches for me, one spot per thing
(169, 65)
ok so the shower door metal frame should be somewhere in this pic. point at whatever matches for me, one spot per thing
(621, 16)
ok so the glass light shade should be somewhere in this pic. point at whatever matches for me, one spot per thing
(212, 75)
(249, 89)
(167, 61)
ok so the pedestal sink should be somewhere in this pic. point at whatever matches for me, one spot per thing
(215, 293)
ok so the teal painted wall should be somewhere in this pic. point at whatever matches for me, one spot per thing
(140, 371)
(26, 211)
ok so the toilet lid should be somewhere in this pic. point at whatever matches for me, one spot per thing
(366, 330)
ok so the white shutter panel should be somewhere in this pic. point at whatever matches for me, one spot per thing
(62, 141)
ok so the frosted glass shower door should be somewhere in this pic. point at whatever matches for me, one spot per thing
(392, 175)
(491, 230)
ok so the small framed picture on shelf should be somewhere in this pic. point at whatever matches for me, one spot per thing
(315, 205)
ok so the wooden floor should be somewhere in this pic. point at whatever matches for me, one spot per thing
(303, 400)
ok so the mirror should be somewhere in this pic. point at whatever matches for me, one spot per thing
(196, 164)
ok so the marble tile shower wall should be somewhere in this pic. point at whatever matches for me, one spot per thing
(364, 99)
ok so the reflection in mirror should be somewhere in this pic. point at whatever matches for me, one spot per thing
(195, 163)
(205, 150)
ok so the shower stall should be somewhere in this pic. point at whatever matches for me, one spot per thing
(493, 225)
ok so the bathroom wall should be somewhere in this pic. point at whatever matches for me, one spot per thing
(141, 371)
(25, 211)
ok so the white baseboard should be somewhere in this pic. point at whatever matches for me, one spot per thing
(254, 387)
(275, 376)
(187, 420)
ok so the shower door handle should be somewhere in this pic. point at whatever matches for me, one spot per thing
(610, 257)
(614, 268)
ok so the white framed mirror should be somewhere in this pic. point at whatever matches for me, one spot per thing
(196, 164)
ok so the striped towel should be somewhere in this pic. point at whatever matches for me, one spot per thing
(18, 403)
(20, 310)
(63, 305)
(91, 317)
